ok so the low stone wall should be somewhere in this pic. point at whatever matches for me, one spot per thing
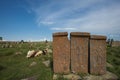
(115, 43)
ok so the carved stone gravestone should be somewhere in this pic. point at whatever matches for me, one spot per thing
(61, 52)
(97, 54)
(79, 51)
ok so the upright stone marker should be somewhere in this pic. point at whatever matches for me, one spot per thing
(61, 52)
(97, 54)
(79, 51)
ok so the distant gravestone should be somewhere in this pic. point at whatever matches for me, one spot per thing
(22, 41)
(1, 39)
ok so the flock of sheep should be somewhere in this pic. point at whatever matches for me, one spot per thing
(30, 53)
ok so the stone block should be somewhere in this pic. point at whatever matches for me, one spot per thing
(97, 54)
(79, 51)
(61, 52)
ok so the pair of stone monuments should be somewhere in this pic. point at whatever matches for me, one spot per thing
(83, 53)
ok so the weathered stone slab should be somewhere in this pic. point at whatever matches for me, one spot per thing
(97, 54)
(79, 51)
(61, 52)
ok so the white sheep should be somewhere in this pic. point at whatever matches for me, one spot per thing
(30, 53)
(39, 53)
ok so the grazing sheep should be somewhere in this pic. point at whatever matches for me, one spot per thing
(30, 53)
(44, 52)
(38, 53)
(34, 53)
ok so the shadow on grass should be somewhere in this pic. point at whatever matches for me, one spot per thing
(2, 67)
(51, 65)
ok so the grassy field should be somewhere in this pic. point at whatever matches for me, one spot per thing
(113, 57)
(17, 67)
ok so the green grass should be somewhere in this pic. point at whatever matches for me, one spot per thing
(16, 67)
(113, 57)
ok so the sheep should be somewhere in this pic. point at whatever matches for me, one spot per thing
(38, 53)
(44, 52)
(30, 53)
(34, 53)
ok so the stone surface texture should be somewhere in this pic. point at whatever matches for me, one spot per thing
(79, 51)
(97, 54)
(61, 52)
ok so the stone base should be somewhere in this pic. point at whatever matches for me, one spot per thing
(71, 76)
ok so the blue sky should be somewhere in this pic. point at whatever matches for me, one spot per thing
(37, 19)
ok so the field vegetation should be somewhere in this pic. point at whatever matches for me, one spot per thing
(113, 58)
(15, 66)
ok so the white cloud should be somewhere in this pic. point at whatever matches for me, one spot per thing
(48, 23)
(64, 29)
(103, 20)
(57, 10)
(95, 16)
